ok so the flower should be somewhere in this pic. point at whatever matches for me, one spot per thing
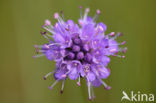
(80, 51)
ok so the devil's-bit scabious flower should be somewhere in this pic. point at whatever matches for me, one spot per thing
(80, 51)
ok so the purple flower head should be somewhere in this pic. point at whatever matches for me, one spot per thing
(80, 50)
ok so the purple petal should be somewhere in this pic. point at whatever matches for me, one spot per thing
(86, 21)
(87, 32)
(104, 60)
(72, 28)
(91, 76)
(96, 83)
(112, 48)
(74, 67)
(101, 27)
(104, 72)
(73, 75)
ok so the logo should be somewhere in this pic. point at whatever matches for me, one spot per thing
(137, 96)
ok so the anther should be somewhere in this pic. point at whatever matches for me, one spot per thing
(37, 49)
(80, 11)
(47, 22)
(101, 28)
(43, 33)
(98, 11)
(123, 56)
(67, 29)
(80, 7)
(56, 15)
(61, 92)
(62, 15)
(45, 77)
(89, 99)
(124, 50)
(108, 87)
(78, 83)
(62, 87)
(51, 87)
(119, 34)
(87, 10)
(112, 34)
(124, 42)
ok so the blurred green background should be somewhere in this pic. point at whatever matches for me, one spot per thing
(21, 76)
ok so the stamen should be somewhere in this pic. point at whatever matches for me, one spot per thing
(41, 51)
(101, 70)
(112, 34)
(67, 29)
(60, 28)
(119, 34)
(37, 50)
(54, 44)
(120, 56)
(49, 35)
(123, 50)
(62, 87)
(78, 83)
(56, 15)
(124, 42)
(51, 87)
(48, 26)
(93, 95)
(43, 33)
(108, 88)
(86, 13)
(38, 46)
(60, 20)
(89, 93)
(115, 36)
(98, 11)
(87, 10)
(62, 15)
(47, 22)
(96, 15)
(39, 55)
(80, 12)
(45, 77)
(50, 29)
(105, 85)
